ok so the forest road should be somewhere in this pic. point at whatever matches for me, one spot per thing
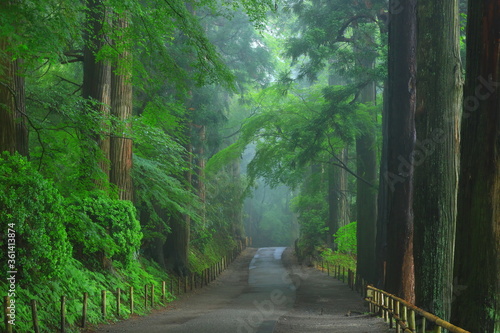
(249, 297)
(264, 290)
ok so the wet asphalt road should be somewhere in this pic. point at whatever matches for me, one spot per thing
(251, 304)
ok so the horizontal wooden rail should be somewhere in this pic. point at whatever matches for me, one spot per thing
(391, 308)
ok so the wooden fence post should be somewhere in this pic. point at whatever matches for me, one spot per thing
(404, 314)
(63, 314)
(163, 298)
(84, 309)
(397, 314)
(178, 285)
(6, 304)
(145, 297)
(131, 296)
(411, 321)
(34, 315)
(423, 328)
(391, 311)
(103, 303)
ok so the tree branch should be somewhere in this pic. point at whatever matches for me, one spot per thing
(343, 28)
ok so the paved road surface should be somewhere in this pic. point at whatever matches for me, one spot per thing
(249, 297)
(256, 295)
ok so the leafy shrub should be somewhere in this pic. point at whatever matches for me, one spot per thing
(32, 207)
(337, 258)
(103, 228)
(345, 238)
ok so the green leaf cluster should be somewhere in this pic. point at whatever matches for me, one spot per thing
(32, 207)
(346, 240)
(103, 228)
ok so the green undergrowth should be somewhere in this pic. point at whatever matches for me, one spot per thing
(76, 280)
(85, 242)
(345, 255)
(334, 258)
(210, 253)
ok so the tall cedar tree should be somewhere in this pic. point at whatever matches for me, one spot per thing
(477, 258)
(439, 100)
(7, 101)
(366, 195)
(97, 74)
(400, 132)
(338, 205)
(121, 108)
(13, 130)
(366, 162)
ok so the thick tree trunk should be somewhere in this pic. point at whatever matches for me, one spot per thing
(97, 78)
(22, 134)
(366, 200)
(366, 164)
(121, 108)
(342, 179)
(237, 223)
(382, 201)
(398, 177)
(439, 100)
(177, 245)
(477, 260)
(7, 99)
(201, 162)
(337, 198)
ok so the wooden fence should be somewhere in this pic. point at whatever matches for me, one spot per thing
(129, 298)
(405, 316)
(346, 275)
(399, 314)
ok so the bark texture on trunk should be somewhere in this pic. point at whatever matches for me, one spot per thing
(366, 166)
(178, 241)
(7, 99)
(22, 133)
(121, 108)
(401, 104)
(476, 305)
(97, 78)
(366, 201)
(338, 205)
(439, 100)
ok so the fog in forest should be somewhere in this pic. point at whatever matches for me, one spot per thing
(267, 211)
